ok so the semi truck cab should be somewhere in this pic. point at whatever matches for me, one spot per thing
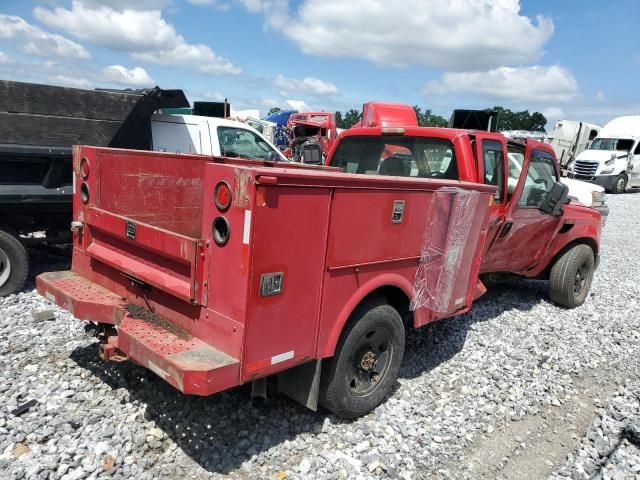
(613, 159)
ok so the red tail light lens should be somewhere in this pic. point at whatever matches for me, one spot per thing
(222, 196)
(84, 167)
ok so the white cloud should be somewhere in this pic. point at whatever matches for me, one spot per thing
(524, 84)
(461, 35)
(128, 4)
(198, 57)
(143, 33)
(213, 96)
(310, 85)
(600, 96)
(554, 113)
(4, 58)
(217, 4)
(299, 105)
(36, 41)
(69, 81)
(136, 77)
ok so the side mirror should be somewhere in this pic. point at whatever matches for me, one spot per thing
(555, 199)
(271, 156)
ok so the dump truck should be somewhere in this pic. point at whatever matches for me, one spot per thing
(38, 126)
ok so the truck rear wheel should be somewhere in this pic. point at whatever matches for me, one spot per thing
(14, 264)
(571, 275)
(361, 373)
(621, 184)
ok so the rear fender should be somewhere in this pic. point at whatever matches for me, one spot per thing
(383, 280)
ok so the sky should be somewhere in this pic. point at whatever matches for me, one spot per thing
(568, 59)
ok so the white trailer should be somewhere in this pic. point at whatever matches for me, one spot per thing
(569, 138)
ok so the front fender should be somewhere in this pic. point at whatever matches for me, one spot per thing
(581, 225)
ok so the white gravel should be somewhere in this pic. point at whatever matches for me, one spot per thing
(469, 387)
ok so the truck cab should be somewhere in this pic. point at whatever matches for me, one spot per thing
(211, 136)
(525, 237)
(613, 159)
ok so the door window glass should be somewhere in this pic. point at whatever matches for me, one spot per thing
(541, 176)
(238, 142)
(515, 160)
(493, 160)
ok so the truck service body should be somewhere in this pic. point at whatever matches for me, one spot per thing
(220, 271)
(213, 272)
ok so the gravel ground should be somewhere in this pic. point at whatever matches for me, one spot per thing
(518, 388)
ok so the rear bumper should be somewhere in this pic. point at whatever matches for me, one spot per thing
(186, 362)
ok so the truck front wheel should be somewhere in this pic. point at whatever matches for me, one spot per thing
(621, 184)
(14, 264)
(361, 373)
(571, 275)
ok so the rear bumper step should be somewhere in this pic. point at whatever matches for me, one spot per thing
(186, 362)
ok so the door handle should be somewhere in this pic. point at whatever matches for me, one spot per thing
(506, 229)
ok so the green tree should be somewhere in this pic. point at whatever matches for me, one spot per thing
(273, 110)
(350, 117)
(523, 120)
(429, 119)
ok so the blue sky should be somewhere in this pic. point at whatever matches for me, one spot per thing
(569, 59)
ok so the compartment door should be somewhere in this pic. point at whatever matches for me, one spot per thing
(288, 242)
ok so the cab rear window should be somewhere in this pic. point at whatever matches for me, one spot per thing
(421, 157)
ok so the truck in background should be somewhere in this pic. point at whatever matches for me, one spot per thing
(280, 118)
(311, 136)
(40, 123)
(569, 138)
(613, 159)
(38, 126)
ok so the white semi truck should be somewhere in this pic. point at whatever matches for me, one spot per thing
(613, 159)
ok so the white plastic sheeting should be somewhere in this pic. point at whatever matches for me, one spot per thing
(451, 236)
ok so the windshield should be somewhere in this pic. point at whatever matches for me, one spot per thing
(239, 142)
(423, 157)
(620, 144)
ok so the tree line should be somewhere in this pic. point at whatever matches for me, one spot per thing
(507, 119)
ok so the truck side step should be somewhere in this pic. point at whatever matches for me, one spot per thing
(186, 362)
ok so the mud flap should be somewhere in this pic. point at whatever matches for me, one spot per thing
(302, 383)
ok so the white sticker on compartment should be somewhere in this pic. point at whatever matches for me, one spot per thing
(247, 227)
(282, 357)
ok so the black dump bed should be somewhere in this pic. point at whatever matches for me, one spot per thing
(38, 126)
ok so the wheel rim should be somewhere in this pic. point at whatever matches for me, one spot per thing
(620, 186)
(5, 267)
(581, 278)
(370, 363)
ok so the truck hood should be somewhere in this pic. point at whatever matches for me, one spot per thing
(581, 190)
(600, 155)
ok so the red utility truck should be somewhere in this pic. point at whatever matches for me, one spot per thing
(526, 235)
(213, 272)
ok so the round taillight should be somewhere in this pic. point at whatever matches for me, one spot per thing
(84, 167)
(222, 196)
(221, 231)
(84, 192)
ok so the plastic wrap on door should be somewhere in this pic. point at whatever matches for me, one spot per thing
(447, 248)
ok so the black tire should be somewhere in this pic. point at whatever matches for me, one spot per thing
(571, 276)
(620, 186)
(365, 366)
(14, 264)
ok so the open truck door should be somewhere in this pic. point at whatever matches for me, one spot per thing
(527, 229)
